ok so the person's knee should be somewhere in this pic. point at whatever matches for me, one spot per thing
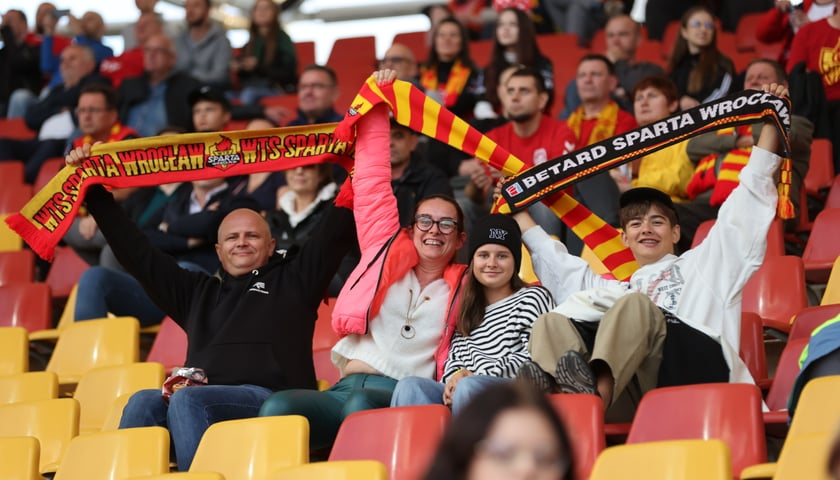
(365, 399)
(144, 408)
(281, 403)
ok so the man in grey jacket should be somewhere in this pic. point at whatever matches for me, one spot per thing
(203, 49)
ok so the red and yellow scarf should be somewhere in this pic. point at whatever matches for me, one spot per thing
(604, 128)
(455, 82)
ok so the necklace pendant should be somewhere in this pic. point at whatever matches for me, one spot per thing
(407, 332)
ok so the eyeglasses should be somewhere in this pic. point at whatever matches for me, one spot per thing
(445, 225)
(84, 110)
(698, 24)
(507, 455)
(394, 59)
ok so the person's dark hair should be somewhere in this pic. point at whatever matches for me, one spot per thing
(711, 58)
(427, 10)
(269, 40)
(527, 53)
(778, 69)
(19, 12)
(463, 54)
(600, 58)
(523, 71)
(103, 89)
(636, 210)
(659, 82)
(322, 68)
(458, 447)
(172, 130)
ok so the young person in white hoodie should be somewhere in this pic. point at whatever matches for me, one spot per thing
(678, 319)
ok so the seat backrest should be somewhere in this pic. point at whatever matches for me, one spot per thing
(821, 173)
(822, 248)
(28, 387)
(10, 241)
(14, 350)
(100, 387)
(335, 470)
(818, 410)
(182, 476)
(833, 198)
(752, 345)
(324, 368)
(16, 128)
(305, 52)
(745, 31)
(831, 295)
(405, 441)
(324, 336)
(19, 458)
(353, 60)
(804, 456)
(775, 236)
(25, 305)
(94, 343)
(14, 196)
(17, 266)
(810, 318)
(583, 417)
(786, 371)
(48, 170)
(727, 411)
(66, 269)
(776, 291)
(417, 42)
(117, 454)
(170, 345)
(53, 422)
(665, 460)
(11, 171)
(253, 448)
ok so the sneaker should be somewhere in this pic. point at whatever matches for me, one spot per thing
(574, 375)
(532, 374)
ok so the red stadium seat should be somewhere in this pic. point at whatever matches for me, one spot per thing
(775, 236)
(67, 267)
(822, 248)
(15, 128)
(47, 171)
(17, 267)
(305, 52)
(353, 60)
(13, 196)
(752, 348)
(820, 174)
(583, 417)
(418, 42)
(810, 318)
(25, 305)
(170, 345)
(745, 40)
(11, 171)
(786, 372)
(776, 292)
(480, 52)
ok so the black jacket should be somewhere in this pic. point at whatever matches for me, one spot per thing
(135, 90)
(253, 329)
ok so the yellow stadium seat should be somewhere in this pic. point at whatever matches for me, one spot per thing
(66, 319)
(112, 420)
(9, 240)
(831, 295)
(115, 455)
(14, 350)
(253, 448)
(336, 470)
(19, 458)
(53, 422)
(28, 387)
(99, 388)
(183, 476)
(669, 460)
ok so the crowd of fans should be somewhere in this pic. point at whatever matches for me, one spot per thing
(416, 325)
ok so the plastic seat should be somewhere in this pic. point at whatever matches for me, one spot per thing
(776, 291)
(336, 470)
(170, 345)
(745, 40)
(253, 448)
(822, 248)
(821, 173)
(100, 387)
(831, 295)
(14, 196)
(810, 318)
(832, 200)
(480, 51)
(324, 368)
(10, 241)
(53, 422)
(11, 171)
(775, 236)
(417, 42)
(353, 60)
(583, 417)
(16, 128)
(752, 349)
(17, 266)
(116, 455)
(726, 411)
(14, 350)
(669, 460)
(19, 458)
(786, 371)
(67, 267)
(48, 170)
(305, 52)
(28, 387)
(405, 440)
(65, 320)
(25, 305)
(83, 346)
(182, 476)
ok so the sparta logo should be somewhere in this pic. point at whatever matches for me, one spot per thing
(354, 110)
(223, 154)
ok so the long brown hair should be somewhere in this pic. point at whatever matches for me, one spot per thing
(270, 39)
(474, 301)
(527, 53)
(711, 59)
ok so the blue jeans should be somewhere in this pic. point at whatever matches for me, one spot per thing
(102, 290)
(425, 391)
(191, 411)
(326, 410)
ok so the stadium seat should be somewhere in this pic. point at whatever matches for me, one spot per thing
(11, 171)
(821, 173)
(66, 268)
(776, 292)
(117, 454)
(726, 411)
(13, 196)
(752, 348)
(324, 368)
(25, 305)
(831, 295)
(405, 439)
(99, 388)
(583, 417)
(480, 51)
(418, 42)
(182, 476)
(324, 336)
(53, 422)
(335, 470)
(786, 371)
(17, 266)
(16, 128)
(170, 345)
(810, 318)
(65, 320)
(19, 458)
(822, 248)
(28, 387)
(745, 40)
(83, 346)
(9, 240)
(48, 170)
(775, 236)
(14, 350)
(804, 456)
(665, 460)
(832, 200)
(305, 52)
(353, 60)
(253, 448)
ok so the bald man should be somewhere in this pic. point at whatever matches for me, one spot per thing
(401, 59)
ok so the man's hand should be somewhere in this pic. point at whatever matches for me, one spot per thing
(384, 76)
(75, 157)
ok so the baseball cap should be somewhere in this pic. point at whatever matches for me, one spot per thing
(210, 94)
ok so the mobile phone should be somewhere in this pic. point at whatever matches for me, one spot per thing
(60, 13)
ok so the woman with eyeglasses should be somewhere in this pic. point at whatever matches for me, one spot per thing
(701, 72)
(506, 432)
(396, 312)
(495, 318)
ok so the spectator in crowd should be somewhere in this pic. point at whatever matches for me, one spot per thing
(203, 50)
(623, 36)
(51, 116)
(490, 435)
(701, 72)
(816, 45)
(130, 40)
(267, 64)
(677, 320)
(783, 21)
(436, 12)
(396, 311)
(97, 116)
(44, 9)
(131, 62)
(668, 170)
(400, 58)
(821, 358)
(19, 58)
(267, 302)
(720, 155)
(158, 97)
(495, 318)
(317, 93)
(582, 17)
(515, 43)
